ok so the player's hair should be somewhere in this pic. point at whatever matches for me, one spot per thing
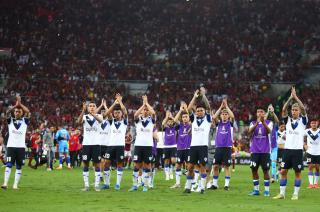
(224, 111)
(295, 105)
(117, 107)
(184, 113)
(200, 105)
(313, 118)
(282, 123)
(260, 107)
(91, 102)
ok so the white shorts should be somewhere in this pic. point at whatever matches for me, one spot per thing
(127, 154)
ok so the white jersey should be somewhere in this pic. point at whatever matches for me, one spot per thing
(118, 131)
(144, 131)
(17, 132)
(200, 130)
(91, 128)
(295, 130)
(104, 133)
(313, 141)
(281, 137)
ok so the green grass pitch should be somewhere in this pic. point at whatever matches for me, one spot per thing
(60, 191)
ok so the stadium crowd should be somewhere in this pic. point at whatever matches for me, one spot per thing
(64, 52)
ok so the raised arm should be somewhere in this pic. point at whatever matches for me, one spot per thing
(123, 108)
(285, 106)
(302, 107)
(183, 107)
(109, 111)
(150, 108)
(216, 114)
(231, 114)
(165, 120)
(24, 108)
(138, 112)
(101, 106)
(191, 104)
(80, 118)
(272, 114)
(204, 98)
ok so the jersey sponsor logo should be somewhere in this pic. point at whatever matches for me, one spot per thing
(16, 132)
(91, 129)
(293, 132)
(198, 129)
(84, 157)
(145, 130)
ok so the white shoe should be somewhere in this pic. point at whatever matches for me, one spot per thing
(198, 189)
(167, 177)
(15, 187)
(175, 186)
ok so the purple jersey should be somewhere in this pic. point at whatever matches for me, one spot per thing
(260, 142)
(154, 147)
(184, 137)
(224, 135)
(274, 137)
(170, 136)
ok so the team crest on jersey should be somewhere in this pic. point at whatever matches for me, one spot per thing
(294, 125)
(199, 122)
(299, 166)
(117, 124)
(145, 123)
(104, 125)
(84, 157)
(90, 122)
(17, 124)
(205, 159)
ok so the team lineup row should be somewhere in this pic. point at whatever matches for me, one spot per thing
(186, 136)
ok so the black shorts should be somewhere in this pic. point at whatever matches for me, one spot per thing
(313, 159)
(292, 158)
(182, 155)
(91, 152)
(16, 155)
(260, 159)
(115, 153)
(198, 155)
(169, 153)
(142, 154)
(222, 156)
(104, 152)
(280, 155)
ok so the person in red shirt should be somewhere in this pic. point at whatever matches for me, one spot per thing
(73, 146)
(127, 151)
(35, 140)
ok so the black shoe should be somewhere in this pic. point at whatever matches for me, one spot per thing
(213, 187)
(187, 191)
(226, 188)
(202, 191)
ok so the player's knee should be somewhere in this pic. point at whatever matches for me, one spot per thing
(18, 166)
